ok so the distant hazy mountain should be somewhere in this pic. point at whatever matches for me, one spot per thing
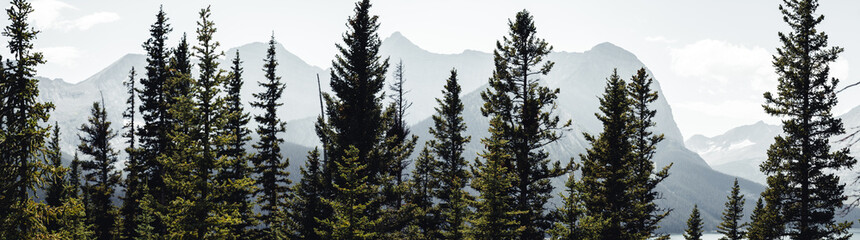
(580, 76)
(741, 150)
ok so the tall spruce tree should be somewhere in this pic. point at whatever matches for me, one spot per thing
(56, 185)
(495, 213)
(766, 221)
(805, 97)
(23, 134)
(179, 161)
(153, 110)
(425, 220)
(133, 182)
(645, 214)
(605, 182)
(235, 174)
(75, 176)
(56, 177)
(101, 174)
(732, 226)
(571, 222)
(353, 195)
(269, 166)
(524, 110)
(694, 225)
(306, 206)
(355, 116)
(448, 145)
(211, 122)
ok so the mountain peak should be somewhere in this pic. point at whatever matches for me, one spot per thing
(398, 41)
(611, 49)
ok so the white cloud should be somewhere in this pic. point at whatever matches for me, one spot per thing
(64, 56)
(48, 14)
(88, 21)
(729, 65)
(660, 39)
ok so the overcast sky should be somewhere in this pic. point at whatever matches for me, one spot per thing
(712, 58)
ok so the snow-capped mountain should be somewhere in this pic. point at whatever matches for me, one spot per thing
(741, 150)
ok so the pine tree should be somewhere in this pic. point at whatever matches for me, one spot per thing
(495, 213)
(22, 134)
(396, 150)
(235, 172)
(269, 165)
(425, 219)
(571, 222)
(351, 218)
(645, 215)
(56, 174)
(398, 133)
(732, 228)
(355, 116)
(804, 100)
(179, 161)
(130, 206)
(694, 225)
(524, 110)
(605, 182)
(71, 220)
(95, 142)
(306, 206)
(209, 106)
(448, 146)
(145, 230)
(56, 179)
(75, 177)
(153, 110)
(766, 222)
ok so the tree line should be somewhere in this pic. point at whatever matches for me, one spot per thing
(193, 172)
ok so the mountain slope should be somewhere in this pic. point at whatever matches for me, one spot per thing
(580, 76)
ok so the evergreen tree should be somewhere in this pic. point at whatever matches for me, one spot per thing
(22, 135)
(694, 225)
(57, 173)
(153, 110)
(645, 215)
(571, 222)
(75, 177)
(95, 142)
(235, 172)
(732, 228)
(269, 165)
(606, 183)
(211, 122)
(524, 110)
(425, 219)
(495, 213)
(766, 222)
(306, 206)
(355, 116)
(448, 146)
(351, 218)
(395, 152)
(180, 160)
(133, 182)
(145, 230)
(805, 97)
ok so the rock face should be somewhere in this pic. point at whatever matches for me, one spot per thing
(580, 76)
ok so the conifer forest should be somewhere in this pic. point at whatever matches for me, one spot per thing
(194, 142)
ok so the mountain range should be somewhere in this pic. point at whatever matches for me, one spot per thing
(581, 76)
